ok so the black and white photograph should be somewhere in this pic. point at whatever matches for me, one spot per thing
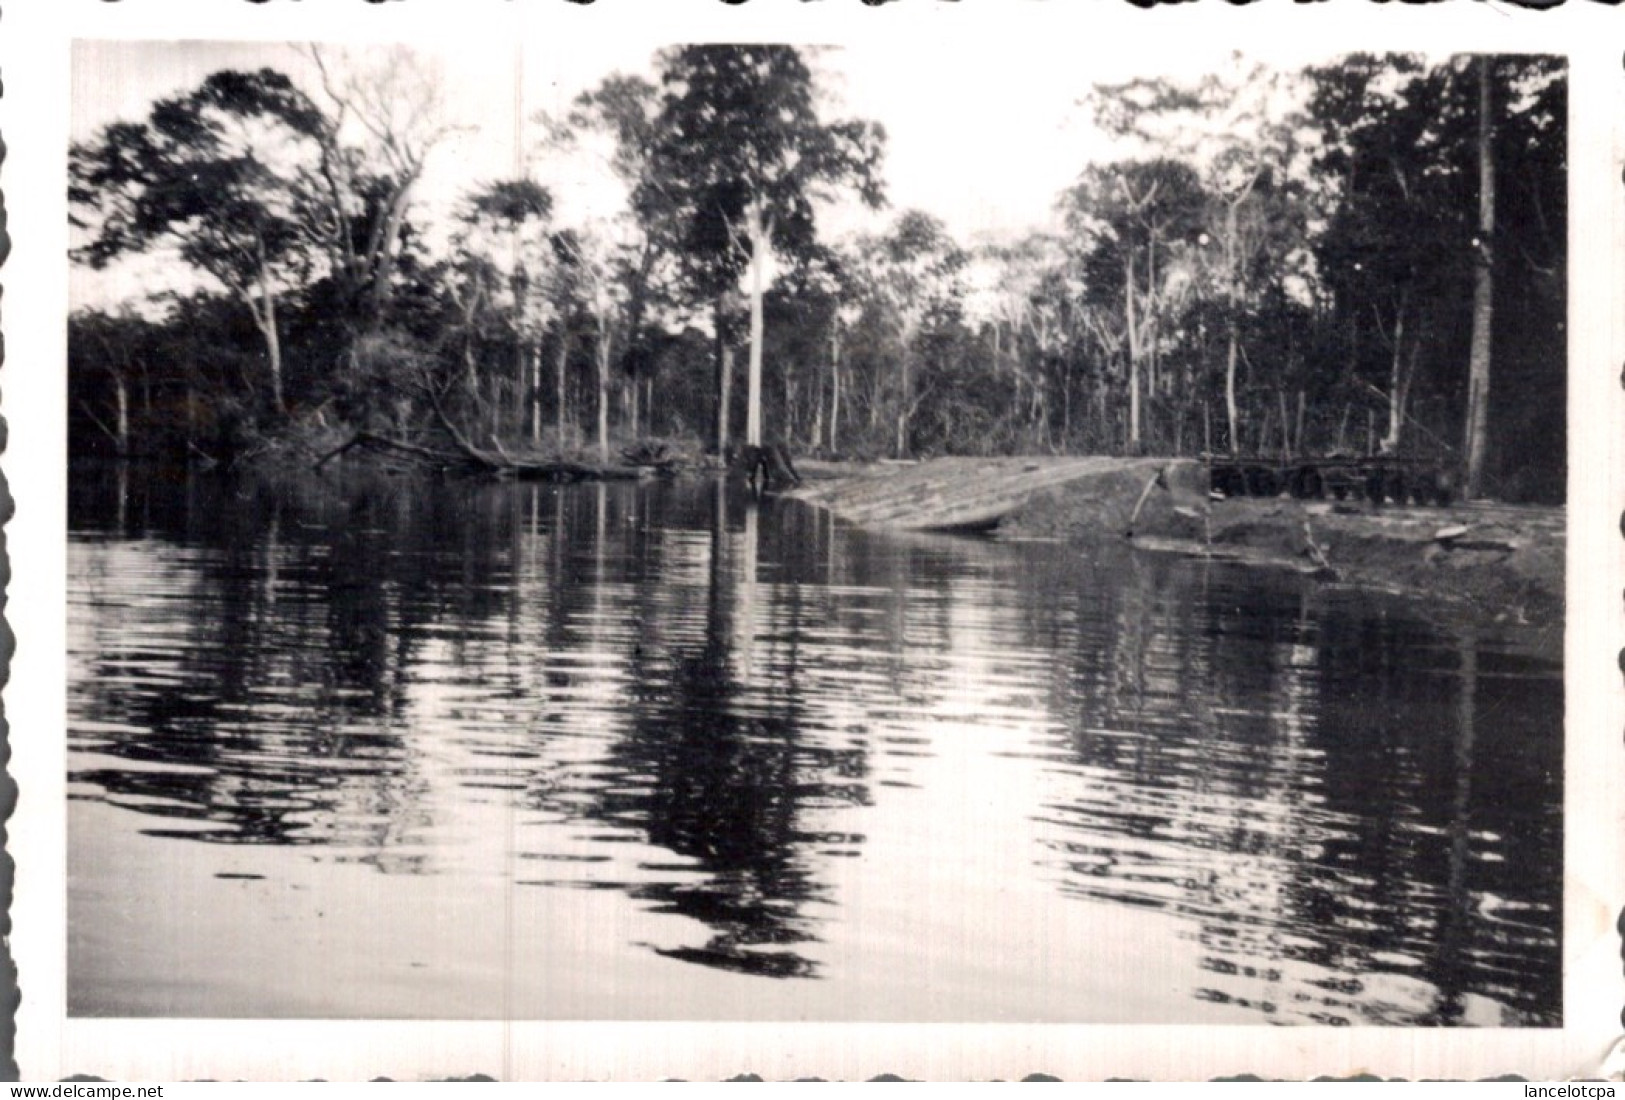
(689, 528)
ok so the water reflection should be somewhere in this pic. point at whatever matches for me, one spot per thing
(1306, 792)
(719, 772)
(741, 724)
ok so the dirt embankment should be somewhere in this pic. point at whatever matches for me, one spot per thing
(1495, 564)
(1500, 566)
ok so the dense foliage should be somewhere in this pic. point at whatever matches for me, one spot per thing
(1273, 262)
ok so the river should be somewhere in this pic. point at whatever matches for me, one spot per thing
(396, 749)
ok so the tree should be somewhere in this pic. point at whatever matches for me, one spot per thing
(1127, 218)
(627, 110)
(1392, 250)
(830, 290)
(1029, 294)
(361, 196)
(507, 233)
(742, 154)
(1237, 128)
(212, 175)
(602, 255)
(1529, 397)
(114, 344)
(1478, 380)
(914, 272)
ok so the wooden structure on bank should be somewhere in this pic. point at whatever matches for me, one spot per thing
(1377, 478)
(971, 494)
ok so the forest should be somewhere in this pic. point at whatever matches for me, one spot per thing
(1358, 257)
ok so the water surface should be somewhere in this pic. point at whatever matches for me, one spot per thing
(393, 749)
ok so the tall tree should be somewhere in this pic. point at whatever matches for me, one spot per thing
(601, 258)
(1478, 377)
(361, 194)
(1529, 397)
(627, 111)
(1128, 218)
(211, 174)
(1393, 246)
(743, 153)
(914, 272)
(1237, 127)
(510, 221)
(114, 345)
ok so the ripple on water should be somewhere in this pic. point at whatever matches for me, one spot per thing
(720, 746)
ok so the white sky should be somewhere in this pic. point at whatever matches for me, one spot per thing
(982, 134)
(987, 153)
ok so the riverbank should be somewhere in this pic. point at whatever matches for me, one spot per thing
(1498, 566)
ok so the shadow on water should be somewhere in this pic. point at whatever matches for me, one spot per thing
(713, 708)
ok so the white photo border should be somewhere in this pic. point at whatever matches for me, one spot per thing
(35, 40)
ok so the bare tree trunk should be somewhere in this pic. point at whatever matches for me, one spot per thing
(725, 370)
(1102, 420)
(1232, 324)
(521, 372)
(264, 310)
(384, 266)
(121, 427)
(1396, 387)
(495, 405)
(834, 386)
(1233, 415)
(273, 349)
(563, 365)
(1297, 434)
(791, 408)
(818, 411)
(471, 371)
(1154, 368)
(901, 442)
(535, 389)
(1478, 372)
(603, 391)
(757, 229)
(1133, 355)
(1066, 407)
(1014, 411)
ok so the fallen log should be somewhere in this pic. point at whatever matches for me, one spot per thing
(363, 439)
(502, 465)
(473, 461)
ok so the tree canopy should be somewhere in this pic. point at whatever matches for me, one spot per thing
(1364, 255)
